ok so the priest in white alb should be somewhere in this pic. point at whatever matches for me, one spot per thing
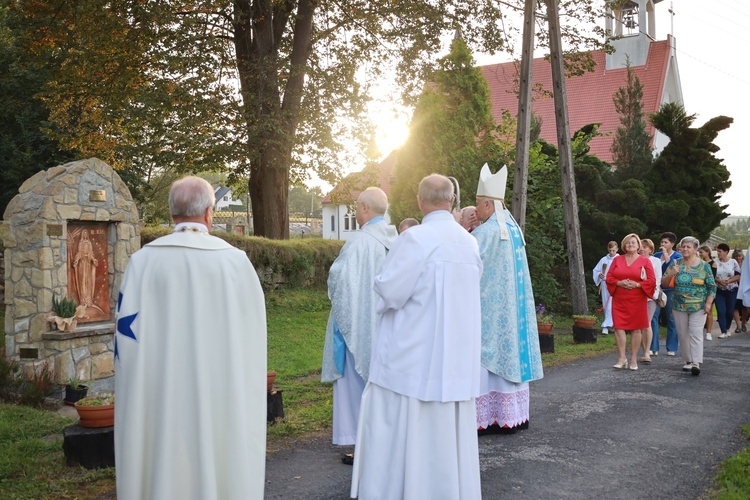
(417, 434)
(190, 364)
(353, 319)
(510, 342)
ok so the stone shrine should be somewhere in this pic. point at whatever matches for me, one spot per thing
(68, 233)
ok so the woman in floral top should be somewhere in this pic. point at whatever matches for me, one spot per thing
(694, 292)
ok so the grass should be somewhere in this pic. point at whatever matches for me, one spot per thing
(32, 464)
(733, 480)
(296, 330)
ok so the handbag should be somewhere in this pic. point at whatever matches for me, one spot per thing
(661, 300)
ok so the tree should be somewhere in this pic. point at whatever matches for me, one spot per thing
(451, 132)
(686, 180)
(305, 201)
(631, 147)
(264, 88)
(24, 147)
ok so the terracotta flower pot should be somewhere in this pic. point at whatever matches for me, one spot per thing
(585, 322)
(271, 378)
(545, 328)
(96, 416)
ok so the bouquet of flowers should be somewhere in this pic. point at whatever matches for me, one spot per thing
(542, 316)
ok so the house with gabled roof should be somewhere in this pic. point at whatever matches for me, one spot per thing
(339, 220)
(590, 95)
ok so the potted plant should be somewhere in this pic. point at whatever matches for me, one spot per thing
(271, 377)
(543, 320)
(65, 313)
(75, 390)
(96, 411)
(584, 320)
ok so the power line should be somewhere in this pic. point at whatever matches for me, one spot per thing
(713, 67)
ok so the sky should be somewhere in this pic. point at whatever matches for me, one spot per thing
(715, 81)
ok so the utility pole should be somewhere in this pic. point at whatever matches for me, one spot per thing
(523, 133)
(570, 200)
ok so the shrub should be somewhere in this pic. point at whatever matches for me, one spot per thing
(300, 261)
(8, 376)
(34, 389)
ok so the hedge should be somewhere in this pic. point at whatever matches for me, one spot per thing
(278, 262)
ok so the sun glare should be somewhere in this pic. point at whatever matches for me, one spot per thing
(391, 130)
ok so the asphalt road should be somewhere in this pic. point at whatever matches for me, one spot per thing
(595, 432)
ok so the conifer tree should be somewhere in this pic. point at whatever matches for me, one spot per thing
(631, 147)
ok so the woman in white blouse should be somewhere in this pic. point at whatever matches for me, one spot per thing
(727, 283)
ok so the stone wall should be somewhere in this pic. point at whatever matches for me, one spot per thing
(36, 260)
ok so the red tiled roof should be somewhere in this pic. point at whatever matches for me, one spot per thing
(589, 95)
(384, 172)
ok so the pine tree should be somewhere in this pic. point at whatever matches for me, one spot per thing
(631, 148)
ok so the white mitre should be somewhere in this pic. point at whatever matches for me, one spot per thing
(492, 187)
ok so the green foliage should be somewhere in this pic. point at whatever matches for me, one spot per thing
(735, 234)
(733, 480)
(297, 320)
(631, 149)
(75, 383)
(452, 112)
(305, 201)
(64, 307)
(25, 149)
(687, 179)
(34, 388)
(32, 463)
(161, 80)
(300, 261)
(100, 400)
(9, 376)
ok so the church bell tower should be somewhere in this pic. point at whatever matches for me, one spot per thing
(632, 26)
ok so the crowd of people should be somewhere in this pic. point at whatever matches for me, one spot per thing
(687, 284)
(431, 341)
(440, 375)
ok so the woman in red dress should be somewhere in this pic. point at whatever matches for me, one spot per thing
(630, 281)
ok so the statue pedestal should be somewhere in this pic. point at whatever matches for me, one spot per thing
(89, 448)
(275, 408)
(547, 342)
(584, 335)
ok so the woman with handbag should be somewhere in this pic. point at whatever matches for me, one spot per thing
(631, 282)
(647, 250)
(694, 292)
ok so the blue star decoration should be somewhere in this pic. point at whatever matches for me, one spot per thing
(124, 325)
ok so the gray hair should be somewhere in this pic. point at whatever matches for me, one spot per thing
(190, 197)
(375, 198)
(690, 239)
(436, 189)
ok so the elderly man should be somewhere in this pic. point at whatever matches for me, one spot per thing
(417, 430)
(510, 341)
(407, 223)
(190, 363)
(469, 220)
(353, 320)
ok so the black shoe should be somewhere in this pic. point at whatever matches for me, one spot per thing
(348, 459)
(695, 370)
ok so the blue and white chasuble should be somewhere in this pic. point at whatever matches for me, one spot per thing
(353, 320)
(510, 341)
